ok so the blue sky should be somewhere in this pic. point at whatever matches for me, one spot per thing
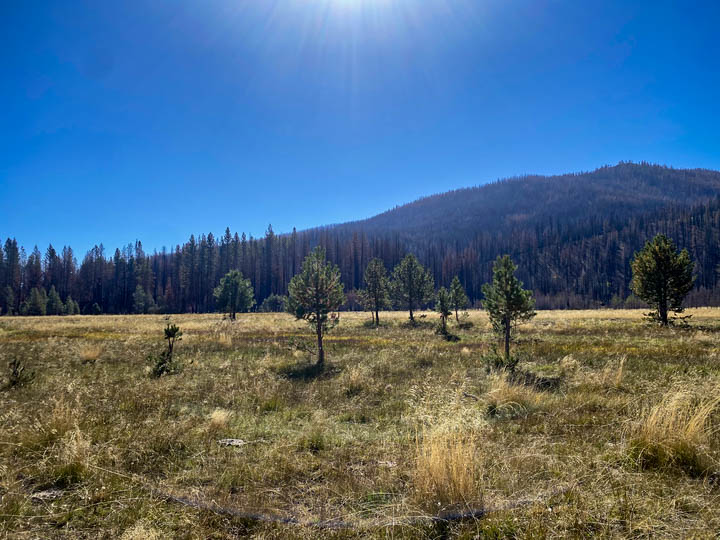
(152, 120)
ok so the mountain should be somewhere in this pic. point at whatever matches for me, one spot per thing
(572, 235)
(612, 194)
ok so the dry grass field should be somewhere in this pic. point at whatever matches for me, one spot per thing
(616, 433)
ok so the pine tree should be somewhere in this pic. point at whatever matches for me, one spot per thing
(33, 270)
(37, 303)
(662, 277)
(9, 300)
(376, 295)
(71, 307)
(140, 304)
(506, 302)
(458, 298)
(316, 293)
(54, 303)
(412, 285)
(443, 306)
(234, 294)
(274, 303)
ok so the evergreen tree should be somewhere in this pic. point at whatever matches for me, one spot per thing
(54, 303)
(37, 303)
(140, 303)
(376, 295)
(71, 306)
(506, 302)
(412, 285)
(662, 277)
(316, 293)
(234, 294)
(13, 273)
(458, 298)
(274, 303)
(33, 270)
(443, 306)
(9, 300)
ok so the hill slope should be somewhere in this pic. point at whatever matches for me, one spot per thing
(613, 193)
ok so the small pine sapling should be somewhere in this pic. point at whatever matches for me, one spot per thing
(443, 307)
(458, 297)
(164, 364)
(18, 375)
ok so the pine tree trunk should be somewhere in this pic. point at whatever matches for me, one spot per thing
(507, 340)
(377, 318)
(321, 351)
(457, 319)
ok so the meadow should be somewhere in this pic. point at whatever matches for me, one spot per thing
(610, 429)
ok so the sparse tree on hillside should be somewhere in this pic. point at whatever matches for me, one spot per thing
(443, 307)
(412, 285)
(376, 295)
(662, 277)
(506, 302)
(316, 293)
(458, 298)
(234, 294)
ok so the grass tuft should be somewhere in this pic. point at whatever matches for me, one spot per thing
(507, 399)
(90, 353)
(677, 434)
(447, 471)
(219, 420)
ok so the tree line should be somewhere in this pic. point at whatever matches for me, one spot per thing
(580, 265)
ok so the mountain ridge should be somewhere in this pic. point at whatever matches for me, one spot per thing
(614, 191)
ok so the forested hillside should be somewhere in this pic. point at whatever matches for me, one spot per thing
(572, 237)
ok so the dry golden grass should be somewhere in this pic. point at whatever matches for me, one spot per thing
(508, 399)
(614, 371)
(396, 424)
(141, 531)
(678, 433)
(90, 353)
(219, 419)
(448, 471)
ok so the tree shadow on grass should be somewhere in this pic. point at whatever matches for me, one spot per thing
(539, 382)
(307, 372)
(418, 324)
